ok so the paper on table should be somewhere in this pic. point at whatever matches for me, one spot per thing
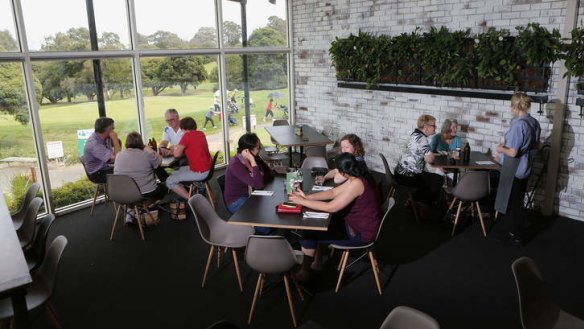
(485, 163)
(262, 193)
(312, 214)
(321, 188)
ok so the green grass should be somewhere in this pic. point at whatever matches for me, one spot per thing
(60, 122)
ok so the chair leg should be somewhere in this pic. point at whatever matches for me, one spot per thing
(218, 257)
(456, 219)
(481, 219)
(342, 270)
(94, 199)
(343, 255)
(496, 215)
(115, 222)
(237, 269)
(259, 284)
(375, 270)
(452, 203)
(207, 266)
(191, 190)
(53, 316)
(139, 222)
(299, 290)
(262, 287)
(414, 209)
(290, 302)
(210, 194)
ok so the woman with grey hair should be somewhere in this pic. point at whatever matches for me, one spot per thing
(446, 140)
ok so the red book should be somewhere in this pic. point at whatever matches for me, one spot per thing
(283, 208)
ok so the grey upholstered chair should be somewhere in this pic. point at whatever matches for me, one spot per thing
(36, 254)
(393, 187)
(43, 284)
(272, 255)
(312, 162)
(31, 193)
(386, 208)
(124, 191)
(472, 187)
(536, 306)
(403, 317)
(218, 234)
(28, 229)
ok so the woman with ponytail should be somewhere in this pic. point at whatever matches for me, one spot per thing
(358, 200)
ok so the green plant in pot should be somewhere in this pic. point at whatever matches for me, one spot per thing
(537, 49)
(574, 56)
(496, 58)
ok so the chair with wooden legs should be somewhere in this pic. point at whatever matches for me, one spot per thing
(98, 186)
(393, 187)
(192, 185)
(472, 187)
(385, 209)
(124, 191)
(403, 317)
(218, 234)
(31, 193)
(43, 285)
(272, 255)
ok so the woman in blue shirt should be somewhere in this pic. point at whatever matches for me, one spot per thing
(446, 140)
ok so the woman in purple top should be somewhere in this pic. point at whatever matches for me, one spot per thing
(359, 201)
(246, 171)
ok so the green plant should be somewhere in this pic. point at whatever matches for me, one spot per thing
(574, 53)
(405, 51)
(341, 51)
(73, 192)
(18, 186)
(496, 58)
(447, 57)
(538, 45)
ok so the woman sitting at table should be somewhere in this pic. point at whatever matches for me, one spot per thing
(350, 143)
(194, 144)
(357, 199)
(411, 167)
(446, 140)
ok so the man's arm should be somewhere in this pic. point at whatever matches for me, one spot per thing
(116, 144)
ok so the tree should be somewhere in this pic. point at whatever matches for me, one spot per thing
(267, 71)
(165, 40)
(117, 75)
(12, 95)
(231, 34)
(266, 37)
(234, 69)
(73, 39)
(183, 71)
(110, 41)
(150, 77)
(206, 37)
(279, 25)
(7, 42)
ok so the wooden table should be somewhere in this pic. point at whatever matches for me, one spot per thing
(14, 275)
(443, 161)
(285, 136)
(261, 210)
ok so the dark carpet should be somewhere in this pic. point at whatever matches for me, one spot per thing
(463, 282)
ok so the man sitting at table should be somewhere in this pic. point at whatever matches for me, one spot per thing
(101, 149)
(357, 199)
(171, 134)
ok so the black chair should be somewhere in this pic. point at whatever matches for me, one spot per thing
(193, 184)
(394, 187)
(36, 254)
(31, 193)
(221, 183)
(28, 230)
(98, 186)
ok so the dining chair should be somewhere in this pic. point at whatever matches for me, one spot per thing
(193, 184)
(369, 249)
(218, 234)
(36, 254)
(313, 162)
(315, 151)
(393, 187)
(537, 308)
(272, 255)
(98, 186)
(29, 229)
(472, 187)
(31, 193)
(403, 317)
(124, 191)
(43, 284)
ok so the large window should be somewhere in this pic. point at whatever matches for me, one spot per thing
(177, 59)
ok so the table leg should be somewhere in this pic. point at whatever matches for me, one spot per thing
(301, 154)
(20, 310)
(290, 156)
(455, 178)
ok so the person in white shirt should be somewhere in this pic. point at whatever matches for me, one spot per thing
(171, 133)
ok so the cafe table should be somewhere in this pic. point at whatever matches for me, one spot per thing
(14, 274)
(260, 210)
(478, 161)
(286, 136)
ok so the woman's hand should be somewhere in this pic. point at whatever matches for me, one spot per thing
(500, 148)
(429, 157)
(247, 155)
(297, 197)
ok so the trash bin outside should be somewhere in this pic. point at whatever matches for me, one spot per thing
(82, 136)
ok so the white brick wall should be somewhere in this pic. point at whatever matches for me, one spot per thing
(385, 119)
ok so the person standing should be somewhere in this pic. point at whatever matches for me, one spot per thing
(516, 157)
(269, 110)
(209, 118)
(172, 133)
(100, 150)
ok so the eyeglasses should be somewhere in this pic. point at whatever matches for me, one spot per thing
(171, 120)
(434, 125)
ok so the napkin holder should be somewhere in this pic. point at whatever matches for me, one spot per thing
(285, 209)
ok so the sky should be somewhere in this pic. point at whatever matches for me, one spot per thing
(183, 17)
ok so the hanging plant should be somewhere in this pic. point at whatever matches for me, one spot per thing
(538, 46)
(496, 57)
(574, 53)
(406, 52)
(341, 52)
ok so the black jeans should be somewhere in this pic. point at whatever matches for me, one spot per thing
(161, 173)
(99, 177)
(428, 185)
(515, 208)
(159, 193)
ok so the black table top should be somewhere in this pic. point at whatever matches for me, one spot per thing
(442, 161)
(261, 210)
(14, 273)
(285, 136)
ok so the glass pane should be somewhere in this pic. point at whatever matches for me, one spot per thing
(111, 23)
(267, 24)
(68, 110)
(268, 80)
(57, 25)
(18, 160)
(178, 24)
(8, 39)
(187, 84)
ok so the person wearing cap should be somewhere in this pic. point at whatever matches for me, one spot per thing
(209, 117)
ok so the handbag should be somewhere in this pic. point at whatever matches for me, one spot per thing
(149, 218)
(178, 210)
